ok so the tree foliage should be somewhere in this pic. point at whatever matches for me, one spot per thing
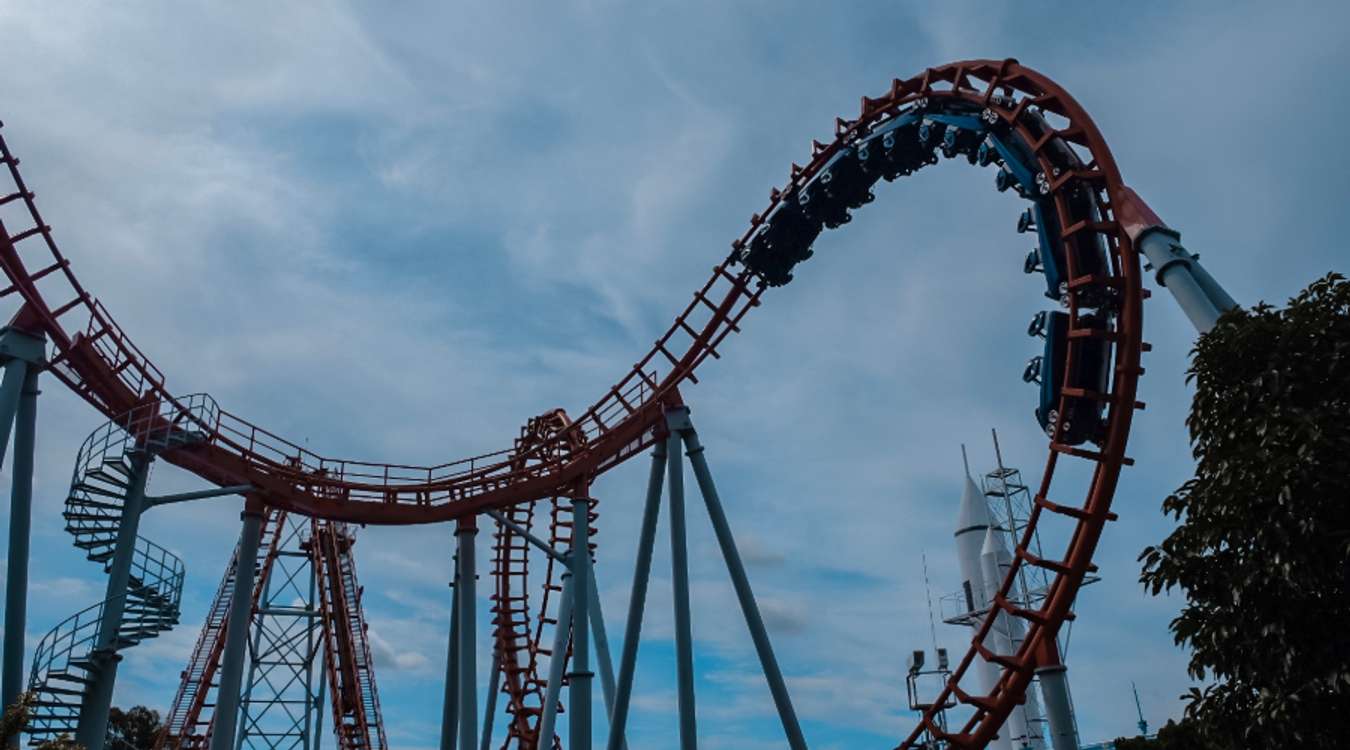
(16, 718)
(1185, 735)
(1262, 552)
(135, 728)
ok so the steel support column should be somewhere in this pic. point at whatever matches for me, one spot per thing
(23, 355)
(277, 699)
(16, 371)
(637, 600)
(786, 714)
(468, 630)
(93, 723)
(602, 655)
(679, 576)
(579, 692)
(1054, 680)
(489, 713)
(1174, 266)
(20, 525)
(450, 706)
(557, 661)
(237, 629)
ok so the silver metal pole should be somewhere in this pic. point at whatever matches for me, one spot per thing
(450, 707)
(20, 526)
(679, 565)
(490, 712)
(236, 631)
(557, 661)
(468, 630)
(579, 690)
(758, 633)
(637, 600)
(1055, 690)
(1173, 264)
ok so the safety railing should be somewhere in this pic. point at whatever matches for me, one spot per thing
(73, 638)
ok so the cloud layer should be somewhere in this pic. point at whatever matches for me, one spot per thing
(397, 233)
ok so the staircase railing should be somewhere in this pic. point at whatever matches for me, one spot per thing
(104, 466)
(57, 707)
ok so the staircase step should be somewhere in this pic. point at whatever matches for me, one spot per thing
(120, 464)
(72, 515)
(56, 704)
(60, 690)
(109, 475)
(97, 489)
(88, 534)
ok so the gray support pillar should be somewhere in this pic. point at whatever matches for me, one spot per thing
(313, 639)
(93, 723)
(490, 712)
(602, 656)
(1058, 708)
(20, 524)
(246, 686)
(450, 708)
(679, 576)
(468, 631)
(1173, 264)
(579, 691)
(16, 372)
(786, 714)
(237, 630)
(557, 661)
(637, 601)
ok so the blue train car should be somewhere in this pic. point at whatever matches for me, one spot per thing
(1083, 417)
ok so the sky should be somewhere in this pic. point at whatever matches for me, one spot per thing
(397, 231)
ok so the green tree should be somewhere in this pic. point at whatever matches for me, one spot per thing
(1262, 551)
(135, 728)
(1184, 735)
(16, 718)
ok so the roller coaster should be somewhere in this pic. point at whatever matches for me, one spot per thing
(1090, 231)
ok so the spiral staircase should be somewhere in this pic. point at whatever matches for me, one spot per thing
(107, 467)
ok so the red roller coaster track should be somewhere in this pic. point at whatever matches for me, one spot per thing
(96, 359)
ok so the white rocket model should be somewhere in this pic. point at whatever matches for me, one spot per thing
(982, 551)
(973, 524)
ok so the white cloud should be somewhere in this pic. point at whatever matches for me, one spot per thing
(400, 233)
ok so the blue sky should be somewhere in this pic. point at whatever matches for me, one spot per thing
(397, 231)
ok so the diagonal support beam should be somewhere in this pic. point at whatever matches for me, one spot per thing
(525, 534)
(637, 601)
(786, 714)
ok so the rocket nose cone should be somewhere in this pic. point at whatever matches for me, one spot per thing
(974, 512)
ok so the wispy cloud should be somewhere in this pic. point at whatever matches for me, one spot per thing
(398, 233)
